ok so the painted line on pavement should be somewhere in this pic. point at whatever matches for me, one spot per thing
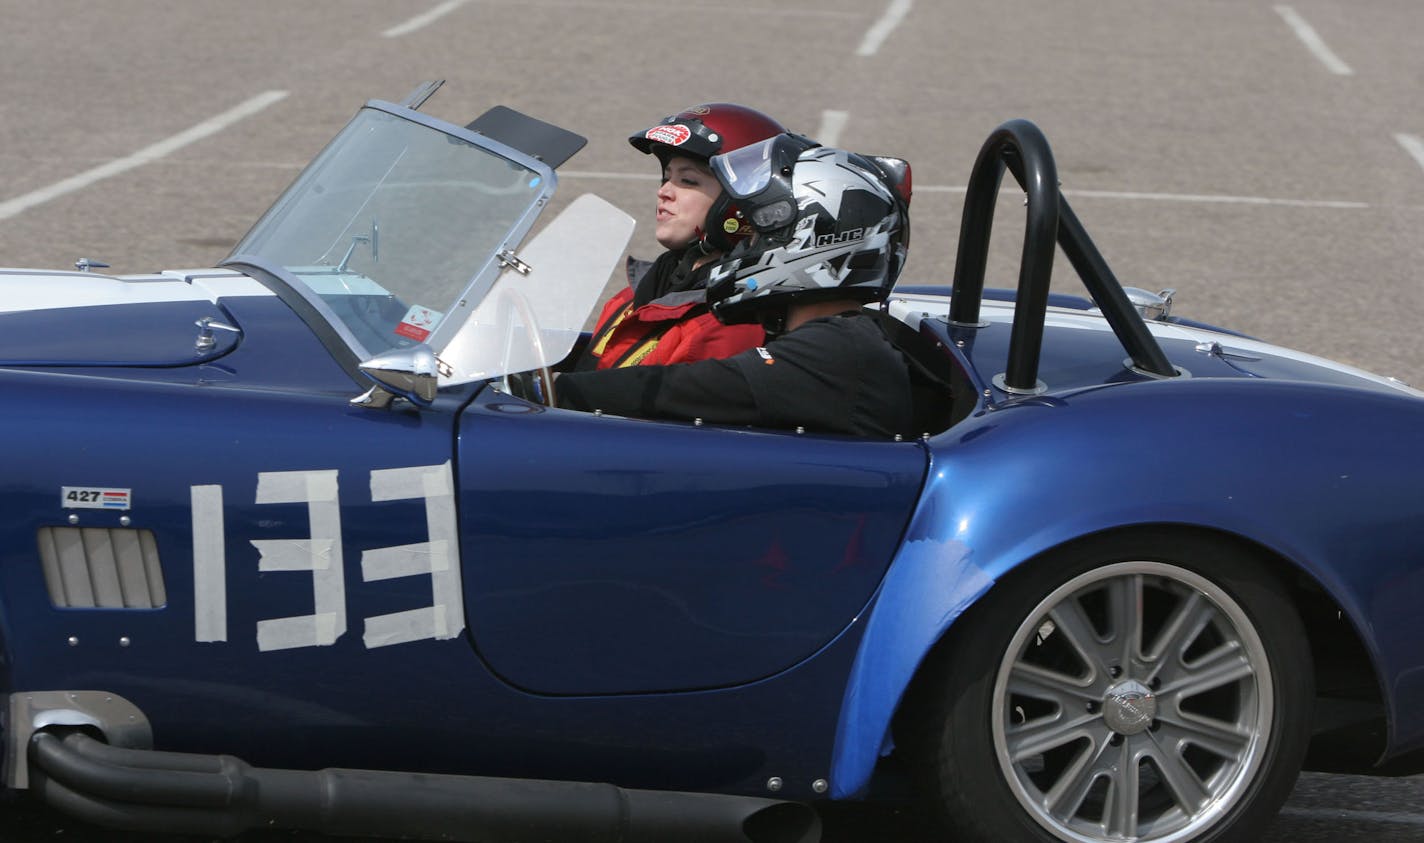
(1413, 145)
(832, 122)
(732, 12)
(148, 154)
(1197, 198)
(1219, 199)
(881, 29)
(1313, 42)
(1353, 815)
(423, 19)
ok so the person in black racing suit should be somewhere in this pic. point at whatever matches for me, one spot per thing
(831, 236)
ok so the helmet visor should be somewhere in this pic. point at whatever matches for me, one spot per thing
(758, 178)
(745, 172)
(748, 171)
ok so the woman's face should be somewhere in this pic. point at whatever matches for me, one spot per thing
(686, 194)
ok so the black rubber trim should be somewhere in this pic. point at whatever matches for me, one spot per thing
(325, 334)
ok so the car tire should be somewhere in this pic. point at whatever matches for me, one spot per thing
(1143, 686)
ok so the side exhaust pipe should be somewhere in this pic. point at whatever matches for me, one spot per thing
(144, 790)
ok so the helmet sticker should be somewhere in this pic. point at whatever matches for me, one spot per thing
(674, 135)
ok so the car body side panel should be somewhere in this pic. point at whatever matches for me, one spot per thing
(244, 483)
(1291, 466)
(249, 496)
(267, 470)
(622, 556)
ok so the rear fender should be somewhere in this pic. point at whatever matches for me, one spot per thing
(1296, 468)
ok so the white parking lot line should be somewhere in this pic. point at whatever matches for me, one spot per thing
(211, 126)
(1313, 42)
(1216, 198)
(423, 19)
(889, 19)
(1190, 198)
(832, 122)
(1413, 145)
(1353, 815)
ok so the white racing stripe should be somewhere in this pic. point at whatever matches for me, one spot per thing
(148, 154)
(27, 290)
(889, 19)
(1313, 42)
(423, 19)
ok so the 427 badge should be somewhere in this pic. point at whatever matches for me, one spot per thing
(92, 497)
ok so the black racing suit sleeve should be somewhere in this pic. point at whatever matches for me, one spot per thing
(706, 389)
(834, 374)
(831, 375)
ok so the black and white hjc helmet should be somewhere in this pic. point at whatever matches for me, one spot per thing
(830, 224)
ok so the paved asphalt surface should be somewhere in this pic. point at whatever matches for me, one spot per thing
(1266, 161)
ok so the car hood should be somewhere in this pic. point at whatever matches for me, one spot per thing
(87, 319)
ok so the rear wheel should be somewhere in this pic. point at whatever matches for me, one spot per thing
(1139, 687)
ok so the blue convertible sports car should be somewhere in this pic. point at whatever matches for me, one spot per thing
(308, 509)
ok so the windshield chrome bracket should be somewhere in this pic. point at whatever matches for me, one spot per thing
(411, 373)
(374, 398)
(416, 98)
(356, 239)
(511, 260)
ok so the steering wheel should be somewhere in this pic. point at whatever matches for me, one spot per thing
(535, 385)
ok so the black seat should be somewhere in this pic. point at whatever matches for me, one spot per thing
(937, 384)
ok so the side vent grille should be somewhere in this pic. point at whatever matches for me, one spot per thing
(105, 568)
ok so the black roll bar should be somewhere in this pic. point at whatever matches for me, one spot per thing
(1020, 146)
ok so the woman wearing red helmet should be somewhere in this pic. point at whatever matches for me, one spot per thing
(662, 317)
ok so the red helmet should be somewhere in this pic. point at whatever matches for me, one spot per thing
(705, 130)
(701, 132)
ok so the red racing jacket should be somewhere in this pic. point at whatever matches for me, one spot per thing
(676, 328)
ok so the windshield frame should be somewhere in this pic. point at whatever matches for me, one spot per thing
(483, 276)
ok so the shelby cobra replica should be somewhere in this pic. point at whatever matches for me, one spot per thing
(295, 509)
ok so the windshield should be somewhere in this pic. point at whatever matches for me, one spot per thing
(393, 223)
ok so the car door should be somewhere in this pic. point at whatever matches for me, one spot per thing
(605, 555)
